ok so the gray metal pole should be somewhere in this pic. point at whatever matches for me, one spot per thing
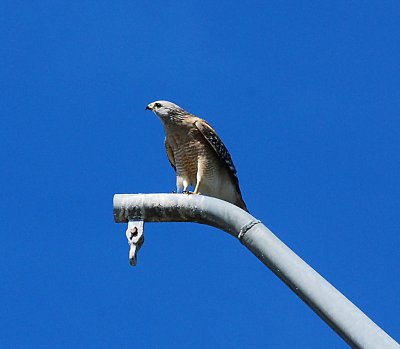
(332, 306)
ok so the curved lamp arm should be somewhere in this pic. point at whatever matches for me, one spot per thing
(330, 305)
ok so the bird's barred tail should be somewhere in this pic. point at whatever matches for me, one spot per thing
(240, 203)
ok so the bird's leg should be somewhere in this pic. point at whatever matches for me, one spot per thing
(198, 178)
(196, 189)
(179, 184)
(185, 186)
(182, 185)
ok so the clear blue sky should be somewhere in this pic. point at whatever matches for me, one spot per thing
(304, 94)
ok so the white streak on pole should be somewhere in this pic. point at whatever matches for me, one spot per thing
(332, 306)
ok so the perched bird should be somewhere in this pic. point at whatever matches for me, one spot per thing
(197, 154)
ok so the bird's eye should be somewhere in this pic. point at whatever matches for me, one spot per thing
(158, 105)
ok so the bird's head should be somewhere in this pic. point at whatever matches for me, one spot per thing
(167, 111)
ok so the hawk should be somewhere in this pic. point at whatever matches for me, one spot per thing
(197, 154)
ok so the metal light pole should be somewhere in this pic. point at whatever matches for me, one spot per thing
(332, 306)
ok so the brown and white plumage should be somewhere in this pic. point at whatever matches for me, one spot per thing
(197, 154)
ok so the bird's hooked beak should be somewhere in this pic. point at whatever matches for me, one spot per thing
(149, 106)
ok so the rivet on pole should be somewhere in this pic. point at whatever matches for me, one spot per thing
(246, 228)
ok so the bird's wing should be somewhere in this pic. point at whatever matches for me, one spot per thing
(223, 154)
(170, 154)
(216, 143)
